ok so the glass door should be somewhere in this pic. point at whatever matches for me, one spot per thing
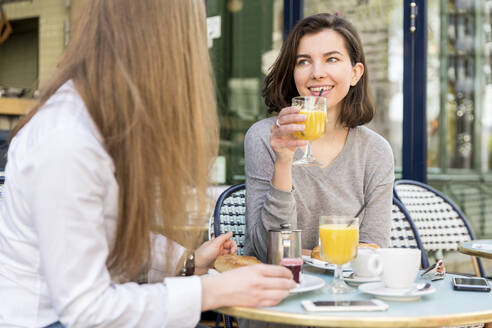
(244, 39)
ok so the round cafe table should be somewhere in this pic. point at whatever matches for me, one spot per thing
(445, 307)
(478, 247)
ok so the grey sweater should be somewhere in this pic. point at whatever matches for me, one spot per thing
(362, 172)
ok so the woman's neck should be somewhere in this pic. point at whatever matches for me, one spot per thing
(333, 126)
(335, 132)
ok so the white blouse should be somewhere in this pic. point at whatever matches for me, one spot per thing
(58, 216)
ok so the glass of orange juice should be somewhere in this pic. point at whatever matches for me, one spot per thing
(315, 110)
(339, 238)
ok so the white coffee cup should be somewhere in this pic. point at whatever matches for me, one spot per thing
(400, 266)
(367, 263)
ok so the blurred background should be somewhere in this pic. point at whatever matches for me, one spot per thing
(244, 39)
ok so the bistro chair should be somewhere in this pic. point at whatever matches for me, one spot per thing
(439, 222)
(404, 233)
(229, 215)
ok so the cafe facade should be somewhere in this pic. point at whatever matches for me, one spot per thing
(429, 66)
(430, 72)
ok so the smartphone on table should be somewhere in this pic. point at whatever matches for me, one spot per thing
(471, 284)
(349, 305)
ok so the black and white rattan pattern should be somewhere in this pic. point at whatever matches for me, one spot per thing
(440, 224)
(403, 231)
(229, 214)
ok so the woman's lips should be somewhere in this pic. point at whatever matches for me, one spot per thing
(323, 94)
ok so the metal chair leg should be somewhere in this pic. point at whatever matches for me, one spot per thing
(228, 321)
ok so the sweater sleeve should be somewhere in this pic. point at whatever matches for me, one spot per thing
(266, 207)
(376, 220)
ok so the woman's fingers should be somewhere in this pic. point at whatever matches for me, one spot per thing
(268, 270)
(289, 115)
(223, 237)
(286, 120)
(288, 129)
(256, 285)
(233, 249)
(278, 283)
(272, 297)
(288, 143)
(289, 110)
(229, 247)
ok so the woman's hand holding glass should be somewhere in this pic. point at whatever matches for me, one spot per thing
(304, 121)
(282, 139)
(314, 107)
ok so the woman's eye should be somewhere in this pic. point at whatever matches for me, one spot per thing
(302, 62)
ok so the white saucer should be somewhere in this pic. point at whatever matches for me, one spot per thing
(377, 289)
(308, 283)
(356, 280)
(323, 264)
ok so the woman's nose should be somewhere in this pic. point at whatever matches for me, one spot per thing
(319, 71)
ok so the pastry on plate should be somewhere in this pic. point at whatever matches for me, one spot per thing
(373, 246)
(232, 261)
(316, 254)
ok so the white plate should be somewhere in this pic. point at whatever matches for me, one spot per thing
(377, 289)
(355, 280)
(308, 283)
(322, 264)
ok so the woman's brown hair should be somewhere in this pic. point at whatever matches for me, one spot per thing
(142, 69)
(280, 88)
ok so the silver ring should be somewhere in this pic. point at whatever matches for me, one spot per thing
(277, 124)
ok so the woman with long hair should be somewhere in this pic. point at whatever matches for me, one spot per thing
(121, 140)
(322, 56)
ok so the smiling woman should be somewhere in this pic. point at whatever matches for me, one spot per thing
(319, 69)
(323, 53)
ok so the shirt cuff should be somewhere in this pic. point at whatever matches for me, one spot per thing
(184, 301)
(160, 265)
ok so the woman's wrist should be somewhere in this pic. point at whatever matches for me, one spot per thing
(282, 175)
(283, 159)
(211, 293)
(201, 263)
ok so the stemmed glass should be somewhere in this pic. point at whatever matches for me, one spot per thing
(314, 108)
(339, 241)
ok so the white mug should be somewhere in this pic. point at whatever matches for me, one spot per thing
(367, 264)
(400, 266)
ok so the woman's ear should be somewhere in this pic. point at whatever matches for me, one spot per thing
(357, 72)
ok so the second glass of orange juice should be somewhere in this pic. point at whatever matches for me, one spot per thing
(339, 240)
(315, 125)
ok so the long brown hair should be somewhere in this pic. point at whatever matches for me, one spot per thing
(142, 69)
(280, 88)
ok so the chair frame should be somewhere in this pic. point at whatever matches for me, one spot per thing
(220, 201)
(477, 263)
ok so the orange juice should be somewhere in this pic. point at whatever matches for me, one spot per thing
(339, 242)
(315, 125)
